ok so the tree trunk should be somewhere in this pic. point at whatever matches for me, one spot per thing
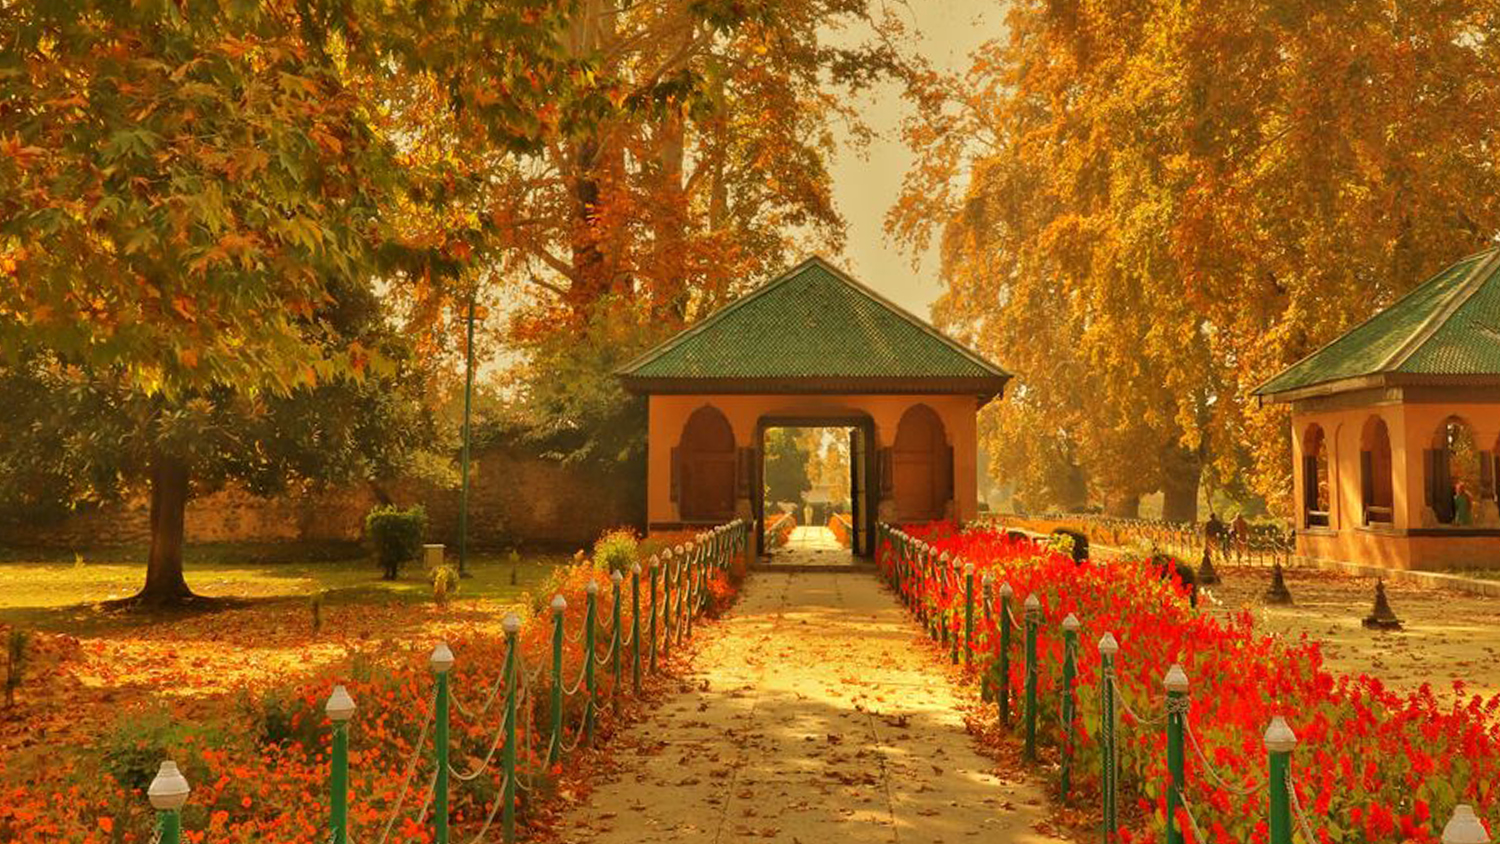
(1125, 505)
(169, 494)
(1181, 470)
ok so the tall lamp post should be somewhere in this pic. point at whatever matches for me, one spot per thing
(463, 502)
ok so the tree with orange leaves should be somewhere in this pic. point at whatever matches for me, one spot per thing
(1147, 209)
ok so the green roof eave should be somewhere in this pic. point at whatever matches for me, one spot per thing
(1441, 330)
(812, 329)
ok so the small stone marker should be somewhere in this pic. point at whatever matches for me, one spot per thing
(1278, 593)
(432, 555)
(1381, 617)
(1207, 575)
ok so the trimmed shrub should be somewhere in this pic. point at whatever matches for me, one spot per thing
(617, 550)
(445, 584)
(396, 534)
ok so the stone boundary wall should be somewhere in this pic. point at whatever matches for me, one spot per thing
(513, 499)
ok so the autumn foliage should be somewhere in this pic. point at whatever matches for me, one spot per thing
(1370, 765)
(256, 752)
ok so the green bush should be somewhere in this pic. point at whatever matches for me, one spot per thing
(396, 534)
(132, 751)
(616, 550)
(444, 584)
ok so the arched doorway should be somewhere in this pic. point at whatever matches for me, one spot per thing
(1317, 495)
(1453, 466)
(1375, 478)
(922, 470)
(705, 460)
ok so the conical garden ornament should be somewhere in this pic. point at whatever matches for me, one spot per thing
(1278, 593)
(1381, 617)
(1207, 576)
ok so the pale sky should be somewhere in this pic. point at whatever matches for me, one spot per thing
(866, 187)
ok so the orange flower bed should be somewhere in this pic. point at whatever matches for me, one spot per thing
(95, 721)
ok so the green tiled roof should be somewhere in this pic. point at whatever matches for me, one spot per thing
(1449, 326)
(813, 324)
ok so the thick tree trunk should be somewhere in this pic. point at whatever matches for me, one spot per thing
(169, 494)
(1181, 470)
(1125, 505)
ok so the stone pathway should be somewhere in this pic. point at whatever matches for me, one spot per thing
(810, 548)
(817, 716)
(813, 538)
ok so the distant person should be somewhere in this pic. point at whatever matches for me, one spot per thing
(1241, 532)
(1463, 505)
(1213, 529)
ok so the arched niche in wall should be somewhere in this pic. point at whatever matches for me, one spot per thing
(922, 466)
(703, 467)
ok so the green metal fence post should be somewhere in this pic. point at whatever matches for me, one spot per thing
(651, 622)
(168, 794)
(907, 561)
(441, 661)
(930, 589)
(339, 709)
(669, 563)
(1176, 683)
(512, 627)
(554, 747)
(1069, 700)
(914, 574)
(986, 596)
(1109, 773)
(684, 591)
(1033, 621)
(944, 586)
(1280, 742)
(968, 614)
(590, 619)
(616, 646)
(694, 556)
(1003, 692)
(635, 628)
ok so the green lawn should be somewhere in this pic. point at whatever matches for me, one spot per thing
(58, 590)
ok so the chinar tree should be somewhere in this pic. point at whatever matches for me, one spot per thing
(1147, 209)
(197, 202)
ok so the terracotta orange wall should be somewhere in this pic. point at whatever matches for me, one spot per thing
(669, 413)
(1411, 428)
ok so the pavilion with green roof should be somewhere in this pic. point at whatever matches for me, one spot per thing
(812, 347)
(1395, 428)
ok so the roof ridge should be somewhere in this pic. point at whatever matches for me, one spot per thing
(693, 330)
(1493, 250)
(915, 320)
(1456, 299)
(795, 271)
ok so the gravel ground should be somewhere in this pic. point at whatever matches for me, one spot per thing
(1448, 636)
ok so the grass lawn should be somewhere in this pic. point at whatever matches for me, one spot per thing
(59, 592)
(263, 630)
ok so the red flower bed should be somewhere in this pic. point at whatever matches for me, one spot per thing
(1370, 764)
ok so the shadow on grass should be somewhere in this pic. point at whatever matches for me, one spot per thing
(93, 598)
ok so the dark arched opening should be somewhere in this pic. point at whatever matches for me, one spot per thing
(1317, 495)
(1376, 491)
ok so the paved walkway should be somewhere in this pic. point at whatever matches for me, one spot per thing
(811, 548)
(816, 715)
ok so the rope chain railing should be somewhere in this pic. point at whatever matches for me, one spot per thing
(678, 591)
(925, 581)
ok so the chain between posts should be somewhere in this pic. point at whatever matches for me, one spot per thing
(923, 585)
